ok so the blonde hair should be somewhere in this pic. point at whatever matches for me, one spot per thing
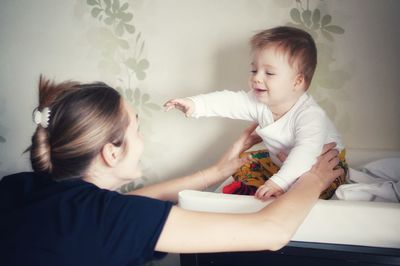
(298, 44)
(83, 118)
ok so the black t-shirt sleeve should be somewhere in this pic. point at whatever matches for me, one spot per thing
(130, 227)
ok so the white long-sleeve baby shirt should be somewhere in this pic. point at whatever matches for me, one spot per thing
(300, 133)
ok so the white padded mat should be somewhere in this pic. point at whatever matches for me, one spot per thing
(375, 224)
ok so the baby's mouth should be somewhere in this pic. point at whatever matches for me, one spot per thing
(259, 90)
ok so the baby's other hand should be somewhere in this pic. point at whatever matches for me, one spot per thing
(268, 190)
(185, 105)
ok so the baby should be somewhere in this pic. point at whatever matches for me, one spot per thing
(283, 63)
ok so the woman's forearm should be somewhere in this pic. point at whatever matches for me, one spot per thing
(289, 210)
(271, 228)
(169, 189)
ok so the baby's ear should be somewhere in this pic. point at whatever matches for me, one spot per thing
(299, 82)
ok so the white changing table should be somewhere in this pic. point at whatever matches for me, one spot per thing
(334, 233)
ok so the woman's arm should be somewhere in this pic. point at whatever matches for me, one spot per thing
(225, 167)
(270, 228)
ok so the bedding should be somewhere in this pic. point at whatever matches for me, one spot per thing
(376, 181)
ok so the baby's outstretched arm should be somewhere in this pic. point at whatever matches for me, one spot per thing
(185, 105)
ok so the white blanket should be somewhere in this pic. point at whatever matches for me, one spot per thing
(376, 181)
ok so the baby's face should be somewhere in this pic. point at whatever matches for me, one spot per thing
(273, 78)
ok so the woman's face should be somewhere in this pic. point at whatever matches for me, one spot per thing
(128, 166)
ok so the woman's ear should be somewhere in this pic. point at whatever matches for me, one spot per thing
(299, 82)
(110, 154)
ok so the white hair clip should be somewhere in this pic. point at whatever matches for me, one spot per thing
(41, 117)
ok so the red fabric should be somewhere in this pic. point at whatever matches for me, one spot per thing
(239, 188)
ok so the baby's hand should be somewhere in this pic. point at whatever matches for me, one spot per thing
(185, 105)
(268, 190)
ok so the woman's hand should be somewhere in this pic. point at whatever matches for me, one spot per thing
(325, 168)
(230, 161)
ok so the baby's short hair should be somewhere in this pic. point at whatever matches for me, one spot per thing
(296, 43)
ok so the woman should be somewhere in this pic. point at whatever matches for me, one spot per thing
(85, 146)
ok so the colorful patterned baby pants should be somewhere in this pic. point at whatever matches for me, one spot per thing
(254, 174)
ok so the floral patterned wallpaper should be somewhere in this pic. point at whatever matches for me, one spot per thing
(123, 50)
(328, 82)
